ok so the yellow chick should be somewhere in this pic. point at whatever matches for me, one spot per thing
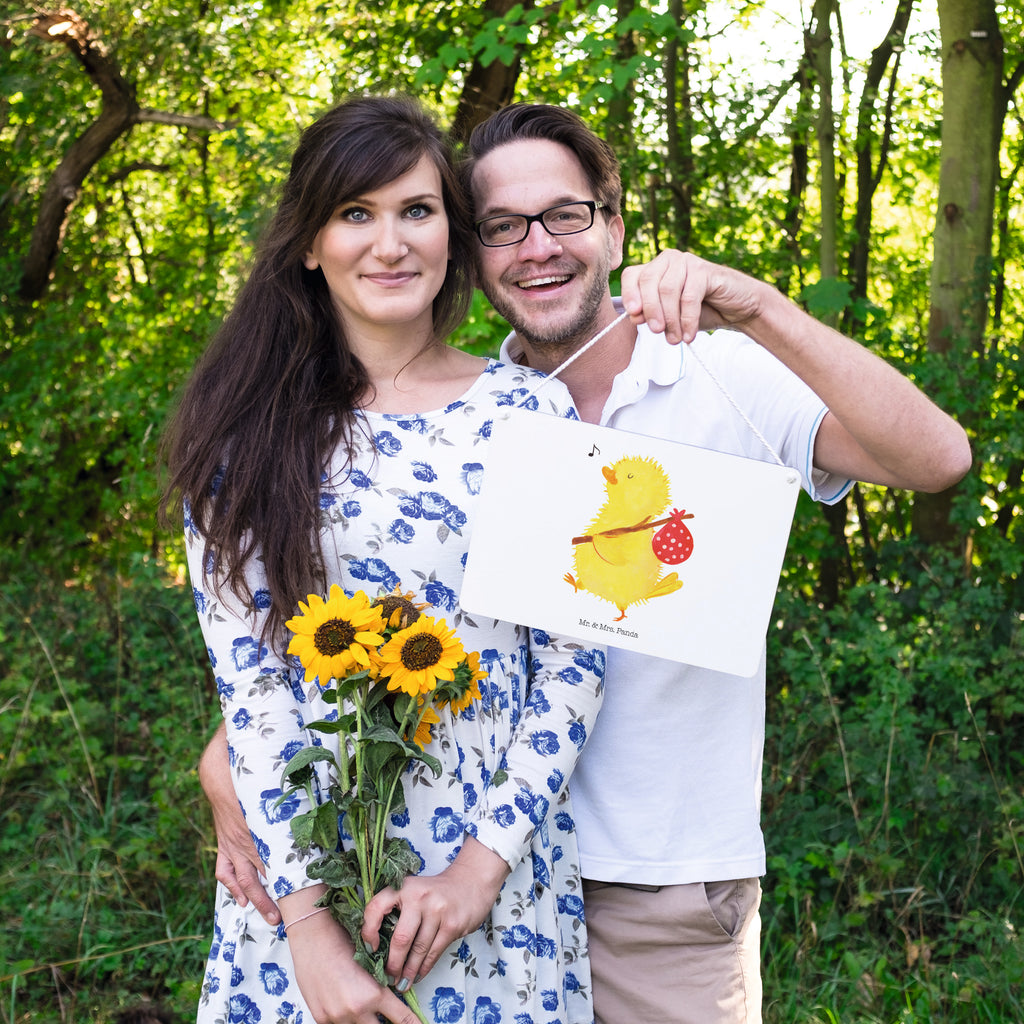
(615, 559)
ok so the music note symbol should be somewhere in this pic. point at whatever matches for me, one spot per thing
(590, 454)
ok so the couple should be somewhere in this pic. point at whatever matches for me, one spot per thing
(371, 252)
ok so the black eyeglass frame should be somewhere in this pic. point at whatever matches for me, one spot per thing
(591, 204)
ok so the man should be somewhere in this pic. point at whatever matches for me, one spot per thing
(667, 792)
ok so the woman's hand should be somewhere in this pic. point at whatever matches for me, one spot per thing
(435, 910)
(336, 989)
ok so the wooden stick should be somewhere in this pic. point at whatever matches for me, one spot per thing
(618, 531)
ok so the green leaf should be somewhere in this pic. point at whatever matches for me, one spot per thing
(299, 769)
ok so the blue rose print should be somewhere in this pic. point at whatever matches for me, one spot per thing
(590, 660)
(199, 598)
(262, 600)
(578, 734)
(484, 433)
(327, 501)
(351, 508)
(487, 1011)
(282, 887)
(533, 805)
(573, 676)
(546, 947)
(538, 701)
(446, 825)
(541, 875)
(242, 1010)
(441, 596)
(472, 476)
(241, 718)
(415, 425)
(504, 815)
(273, 811)
(448, 1005)
(570, 904)
(549, 999)
(374, 570)
(357, 478)
(545, 742)
(387, 444)
(237, 977)
(541, 637)
(290, 749)
(555, 780)
(424, 472)
(564, 822)
(572, 983)
(518, 937)
(274, 978)
(401, 531)
(246, 652)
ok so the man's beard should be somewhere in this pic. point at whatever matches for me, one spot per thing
(569, 335)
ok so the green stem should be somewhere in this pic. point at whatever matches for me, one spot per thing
(414, 1004)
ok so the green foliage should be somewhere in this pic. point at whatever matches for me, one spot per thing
(107, 867)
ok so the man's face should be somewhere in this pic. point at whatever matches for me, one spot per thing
(552, 289)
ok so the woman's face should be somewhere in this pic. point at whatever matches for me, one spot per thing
(385, 254)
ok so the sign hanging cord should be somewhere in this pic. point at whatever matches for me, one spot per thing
(692, 351)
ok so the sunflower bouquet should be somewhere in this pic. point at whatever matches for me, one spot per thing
(390, 669)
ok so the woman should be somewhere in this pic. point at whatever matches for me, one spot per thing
(329, 435)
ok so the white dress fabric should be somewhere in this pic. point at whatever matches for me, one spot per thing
(402, 515)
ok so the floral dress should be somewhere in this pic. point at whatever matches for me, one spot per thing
(402, 516)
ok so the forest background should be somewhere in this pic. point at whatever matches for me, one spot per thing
(866, 158)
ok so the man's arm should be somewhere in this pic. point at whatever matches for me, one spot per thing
(880, 428)
(238, 864)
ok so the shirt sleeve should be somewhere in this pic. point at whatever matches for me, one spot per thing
(564, 696)
(263, 704)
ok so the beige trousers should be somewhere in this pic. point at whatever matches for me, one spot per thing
(675, 954)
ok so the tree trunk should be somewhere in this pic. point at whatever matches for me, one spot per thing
(973, 104)
(487, 89)
(117, 115)
(679, 132)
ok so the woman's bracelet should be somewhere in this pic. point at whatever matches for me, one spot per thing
(305, 917)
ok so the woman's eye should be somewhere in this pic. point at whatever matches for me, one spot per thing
(354, 214)
(419, 211)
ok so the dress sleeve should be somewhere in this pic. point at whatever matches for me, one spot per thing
(263, 705)
(564, 696)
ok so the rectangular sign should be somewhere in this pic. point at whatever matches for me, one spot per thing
(635, 542)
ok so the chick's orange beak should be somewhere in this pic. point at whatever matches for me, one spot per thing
(609, 474)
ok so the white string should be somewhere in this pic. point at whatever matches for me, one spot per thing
(721, 387)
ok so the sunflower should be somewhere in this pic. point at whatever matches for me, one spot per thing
(332, 637)
(417, 657)
(423, 734)
(472, 691)
(400, 609)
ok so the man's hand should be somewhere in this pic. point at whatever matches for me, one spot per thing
(435, 910)
(678, 293)
(238, 864)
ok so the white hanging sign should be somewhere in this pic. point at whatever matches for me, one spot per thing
(635, 542)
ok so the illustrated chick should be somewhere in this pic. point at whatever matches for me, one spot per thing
(615, 559)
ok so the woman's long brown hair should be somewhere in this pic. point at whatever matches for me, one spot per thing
(274, 395)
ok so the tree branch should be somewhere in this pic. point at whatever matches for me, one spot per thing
(119, 112)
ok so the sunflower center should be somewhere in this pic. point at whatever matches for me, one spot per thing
(391, 603)
(421, 651)
(334, 636)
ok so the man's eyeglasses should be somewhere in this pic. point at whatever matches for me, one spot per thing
(564, 219)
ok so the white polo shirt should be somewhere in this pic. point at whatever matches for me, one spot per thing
(668, 789)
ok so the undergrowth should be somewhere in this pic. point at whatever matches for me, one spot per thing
(893, 798)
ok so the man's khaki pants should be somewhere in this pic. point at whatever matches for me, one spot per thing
(675, 954)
